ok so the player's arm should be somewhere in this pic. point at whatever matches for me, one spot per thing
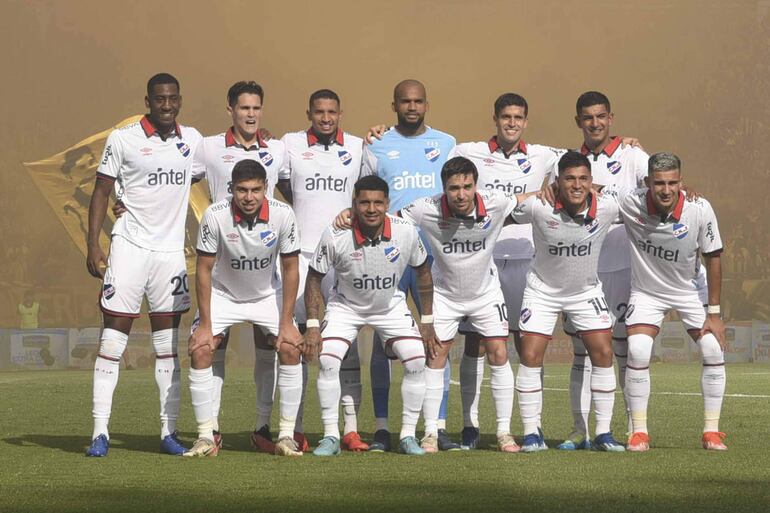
(375, 132)
(287, 331)
(202, 336)
(313, 302)
(425, 291)
(284, 186)
(714, 323)
(97, 210)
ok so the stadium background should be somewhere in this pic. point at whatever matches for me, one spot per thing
(684, 76)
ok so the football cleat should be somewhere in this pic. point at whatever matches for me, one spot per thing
(542, 438)
(301, 441)
(506, 443)
(99, 447)
(470, 437)
(352, 442)
(381, 441)
(714, 441)
(328, 446)
(262, 440)
(445, 443)
(429, 444)
(605, 442)
(409, 445)
(218, 439)
(533, 442)
(287, 446)
(172, 445)
(574, 442)
(202, 448)
(638, 442)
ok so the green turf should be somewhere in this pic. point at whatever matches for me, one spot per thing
(45, 426)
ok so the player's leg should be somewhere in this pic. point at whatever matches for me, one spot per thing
(579, 392)
(350, 383)
(471, 377)
(265, 371)
(218, 369)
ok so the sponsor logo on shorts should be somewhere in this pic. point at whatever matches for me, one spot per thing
(525, 165)
(183, 148)
(345, 157)
(680, 230)
(614, 167)
(108, 291)
(526, 313)
(266, 158)
(432, 154)
(268, 238)
(392, 253)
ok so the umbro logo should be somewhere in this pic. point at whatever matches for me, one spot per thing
(308, 155)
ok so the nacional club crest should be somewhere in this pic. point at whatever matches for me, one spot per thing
(268, 238)
(593, 226)
(183, 148)
(525, 315)
(345, 157)
(485, 223)
(392, 253)
(266, 158)
(680, 230)
(614, 167)
(108, 291)
(432, 154)
(525, 165)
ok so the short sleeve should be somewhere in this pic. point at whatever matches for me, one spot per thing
(413, 212)
(368, 162)
(112, 157)
(523, 212)
(419, 253)
(323, 258)
(208, 234)
(199, 162)
(284, 171)
(641, 160)
(289, 238)
(709, 239)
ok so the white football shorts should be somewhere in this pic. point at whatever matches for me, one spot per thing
(587, 311)
(486, 315)
(644, 309)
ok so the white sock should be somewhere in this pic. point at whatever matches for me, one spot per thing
(530, 390)
(580, 387)
(218, 368)
(713, 380)
(350, 382)
(106, 370)
(265, 364)
(290, 386)
(298, 426)
(501, 381)
(167, 377)
(328, 385)
(412, 356)
(637, 389)
(620, 348)
(471, 376)
(201, 393)
(603, 386)
(434, 390)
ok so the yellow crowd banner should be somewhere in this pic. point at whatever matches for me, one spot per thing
(66, 180)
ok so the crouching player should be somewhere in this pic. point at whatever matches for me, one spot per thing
(563, 278)
(369, 261)
(667, 236)
(239, 241)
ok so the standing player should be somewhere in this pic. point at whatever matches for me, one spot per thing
(320, 168)
(409, 158)
(505, 163)
(668, 235)
(563, 278)
(214, 160)
(239, 242)
(369, 261)
(612, 163)
(149, 165)
(462, 226)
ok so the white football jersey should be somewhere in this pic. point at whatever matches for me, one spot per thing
(152, 178)
(247, 250)
(665, 252)
(522, 171)
(217, 154)
(368, 271)
(322, 179)
(567, 249)
(625, 168)
(462, 247)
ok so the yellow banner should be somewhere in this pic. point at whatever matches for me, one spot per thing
(66, 180)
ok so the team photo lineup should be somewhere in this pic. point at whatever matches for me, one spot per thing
(489, 239)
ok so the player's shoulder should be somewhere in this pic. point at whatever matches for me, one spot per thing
(190, 133)
(275, 145)
(279, 206)
(352, 141)
(292, 139)
(465, 149)
(534, 149)
(434, 133)
(400, 223)
(700, 203)
(215, 209)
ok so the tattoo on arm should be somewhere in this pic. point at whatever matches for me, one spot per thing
(425, 288)
(313, 296)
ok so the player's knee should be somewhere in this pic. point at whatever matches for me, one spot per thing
(496, 352)
(578, 348)
(165, 342)
(329, 366)
(639, 350)
(113, 344)
(289, 354)
(711, 350)
(414, 369)
(201, 358)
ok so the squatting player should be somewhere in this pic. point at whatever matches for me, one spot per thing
(369, 261)
(563, 278)
(668, 235)
(321, 165)
(239, 243)
(148, 163)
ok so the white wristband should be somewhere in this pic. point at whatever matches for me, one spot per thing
(426, 319)
(713, 310)
(313, 323)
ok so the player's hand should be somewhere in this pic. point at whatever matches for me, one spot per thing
(547, 194)
(690, 194)
(375, 132)
(289, 334)
(118, 209)
(201, 338)
(716, 326)
(429, 340)
(313, 343)
(630, 141)
(342, 221)
(95, 260)
(265, 134)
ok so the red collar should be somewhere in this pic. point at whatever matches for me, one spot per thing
(521, 146)
(608, 150)
(590, 216)
(361, 238)
(263, 216)
(312, 138)
(150, 130)
(676, 214)
(230, 140)
(481, 209)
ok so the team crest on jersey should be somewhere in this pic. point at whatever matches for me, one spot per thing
(526, 313)
(680, 230)
(266, 158)
(614, 167)
(432, 154)
(392, 253)
(108, 291)
(268, 238)
(592, 226)
(345, 157)
(183, 148)
(485, 223)
(525, 165)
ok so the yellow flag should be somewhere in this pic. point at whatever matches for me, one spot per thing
(66, 180)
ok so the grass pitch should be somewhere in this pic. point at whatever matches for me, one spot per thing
(45, 427)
